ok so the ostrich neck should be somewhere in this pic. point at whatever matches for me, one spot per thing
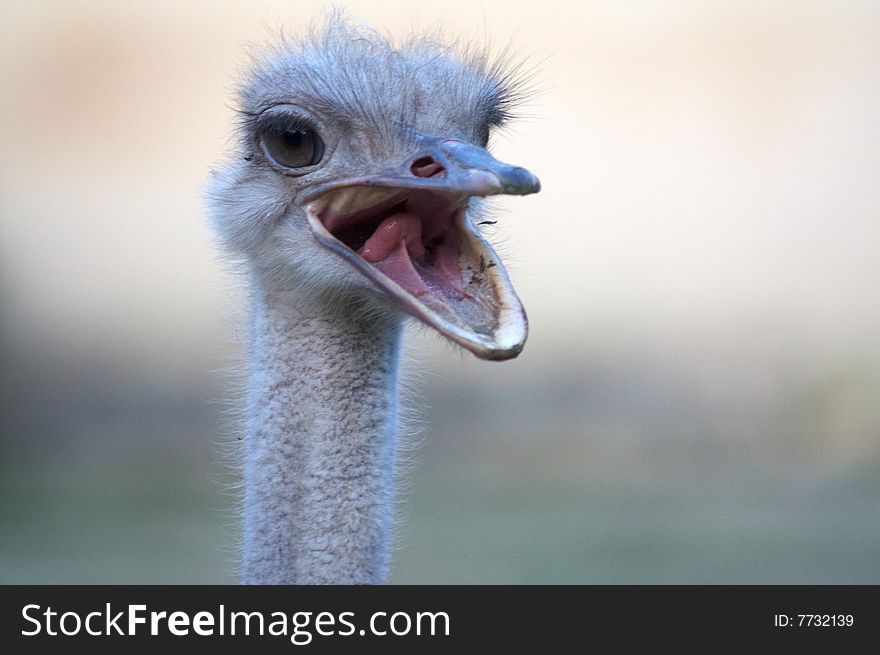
(320, 443)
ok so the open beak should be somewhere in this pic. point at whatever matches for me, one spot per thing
(410, 232)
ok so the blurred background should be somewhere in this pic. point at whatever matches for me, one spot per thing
(699, 401)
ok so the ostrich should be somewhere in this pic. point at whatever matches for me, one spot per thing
(353, 200)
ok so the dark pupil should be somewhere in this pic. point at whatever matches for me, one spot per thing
(293, 148)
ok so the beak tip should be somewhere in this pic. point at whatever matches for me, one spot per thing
(536, 184)
(521, 182)
(480, 171)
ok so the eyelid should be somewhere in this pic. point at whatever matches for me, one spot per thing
(284, 122)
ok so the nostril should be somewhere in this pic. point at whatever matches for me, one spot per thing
(426, 167)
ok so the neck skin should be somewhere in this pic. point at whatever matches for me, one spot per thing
(320, 443)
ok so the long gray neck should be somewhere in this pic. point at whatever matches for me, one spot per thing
(320, 443)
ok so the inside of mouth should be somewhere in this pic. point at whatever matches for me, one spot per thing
(411, 236)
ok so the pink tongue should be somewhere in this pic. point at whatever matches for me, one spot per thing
(399, 267)
(397, 243)
(392, 248)
(399, 228)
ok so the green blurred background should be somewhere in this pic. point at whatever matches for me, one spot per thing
(700, 398)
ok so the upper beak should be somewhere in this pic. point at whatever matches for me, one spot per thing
(472, 170)
(467, 170)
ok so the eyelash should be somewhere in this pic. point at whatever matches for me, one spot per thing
(278, 123)
(283, 123)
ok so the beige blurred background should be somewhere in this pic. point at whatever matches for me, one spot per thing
(699, 401)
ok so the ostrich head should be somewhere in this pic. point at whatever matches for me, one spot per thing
(361, 171)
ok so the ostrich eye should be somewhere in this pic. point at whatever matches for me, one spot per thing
(292, 145)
